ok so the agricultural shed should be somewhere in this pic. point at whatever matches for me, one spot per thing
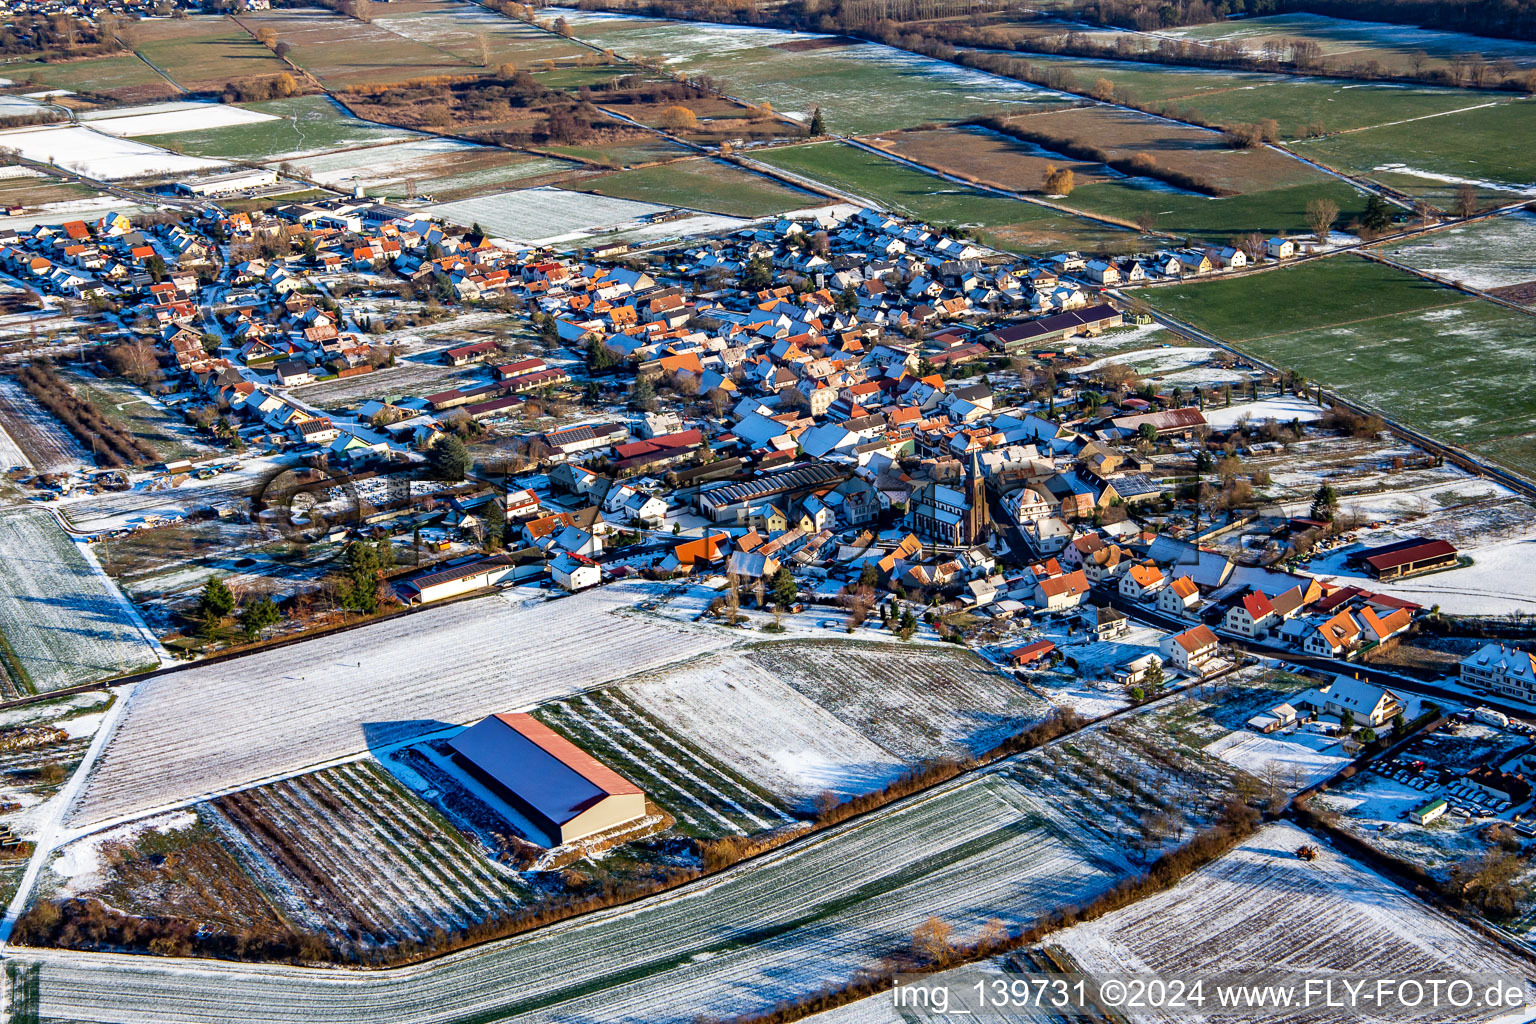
(565, 791)
(1406, 558)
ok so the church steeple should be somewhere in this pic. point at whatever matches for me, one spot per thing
(978, 520)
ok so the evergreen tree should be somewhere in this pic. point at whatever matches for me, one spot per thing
(216, 602)
(643, 395)
(1324, 504)
(495, 525)
(448, 459)
(257, 616)
(818, 125)
(785, 590)
(599, 355)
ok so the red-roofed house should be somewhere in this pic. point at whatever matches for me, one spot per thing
(1251, 615)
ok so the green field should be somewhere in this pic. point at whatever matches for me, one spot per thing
(99, 74)
(1493, 145)
(861, 87)
(204, 52)
(1186, 213)
(1221, 97)
(1006, 223)
(1456, 367)
(626, 154)
(306, 124)
(1347, 43)
(704, 185)
(471, 33)
(341, 51)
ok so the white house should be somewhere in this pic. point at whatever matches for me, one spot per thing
(1251, 615)
(1191, 650)
(1507, 671)
(1278, 248)
(1142, 582)
(1370, 704)
(1180, 598)
(575, 572)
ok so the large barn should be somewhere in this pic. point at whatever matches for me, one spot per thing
(562, 789)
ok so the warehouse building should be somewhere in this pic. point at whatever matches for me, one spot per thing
(562, 789)
(227, 184)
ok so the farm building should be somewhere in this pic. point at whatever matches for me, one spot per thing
(1054, 328)
(476, 574)
(562, 789)
(1407, 558)
(1031, 653)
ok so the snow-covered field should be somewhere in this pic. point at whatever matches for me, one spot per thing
(541, 216)
(1498, 581)
(81, 209)
(1153, 361)
(417, 158)
(1491, 253)
(78, 148)
(762, 727)
(1282, 410)
(1260, 908)
(168, 118)
(60, 615)
(211, 728)
(1299, 757)
(777, 926)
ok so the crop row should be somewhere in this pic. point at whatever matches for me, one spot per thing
(211, 728)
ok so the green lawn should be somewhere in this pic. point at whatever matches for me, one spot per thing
(1004, 222)
(1495, 145)
(1458, 368)
(703, 185)
(1185, 213)
(305, 124)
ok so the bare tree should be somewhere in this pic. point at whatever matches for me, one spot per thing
(1321, 213)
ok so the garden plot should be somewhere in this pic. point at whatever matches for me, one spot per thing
(358, 859)
(407, 377)
(543, 216)
(916, 702)
(170, 118)
(48, 446)
(861, 87)
(705, 797)
(1260, 909)
(263, 716)
(1152, 362)
(757, 725)
(818, 911)
(63, 621)
(1486, 254)
(95, 155)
